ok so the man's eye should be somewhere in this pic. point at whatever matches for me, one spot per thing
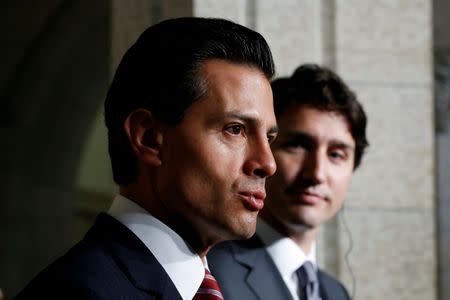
(235, 129)
(271, 138)
(293, 145)
(337, 155)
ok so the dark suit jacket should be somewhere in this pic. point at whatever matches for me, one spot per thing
(245, 270)
(109, 263)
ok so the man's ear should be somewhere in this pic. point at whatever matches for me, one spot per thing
(145, 136)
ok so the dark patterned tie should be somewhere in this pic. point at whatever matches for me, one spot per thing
(209, 289)
(309, 284)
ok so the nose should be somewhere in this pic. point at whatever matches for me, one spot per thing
(315, 166)
(260, 161)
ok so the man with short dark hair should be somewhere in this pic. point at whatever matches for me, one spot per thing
(321, 140)
(190, 118)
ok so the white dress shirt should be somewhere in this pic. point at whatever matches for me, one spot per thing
(184, 267)
(286, 254)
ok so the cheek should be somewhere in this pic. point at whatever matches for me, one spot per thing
(287, 168)
(285, 176)
(341, 185)
(210, 166)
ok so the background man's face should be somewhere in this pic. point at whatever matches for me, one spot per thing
(314, 153)
(216, 160)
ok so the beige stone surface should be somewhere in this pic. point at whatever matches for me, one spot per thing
(328, 33)
(393, 255)
(398, 168)
(384, 41)
(235, 10)
(328, 252)
(292, 29)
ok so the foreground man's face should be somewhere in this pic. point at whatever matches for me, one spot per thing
(314, 152)
(217, 159)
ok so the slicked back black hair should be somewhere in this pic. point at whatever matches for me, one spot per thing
(160, 72)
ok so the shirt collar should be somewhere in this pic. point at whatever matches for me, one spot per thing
(184, 267)
(285, 253)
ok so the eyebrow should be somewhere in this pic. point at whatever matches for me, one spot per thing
(249, 119)
(303, 136)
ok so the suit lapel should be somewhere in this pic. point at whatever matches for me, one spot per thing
(331, 288)
(262, 270)
(322, 288)
(146, 273)
(136, 261)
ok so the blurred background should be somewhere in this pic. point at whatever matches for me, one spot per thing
(57, 57)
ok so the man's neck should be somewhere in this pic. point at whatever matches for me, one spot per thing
(146, 199)
(304, 238)
(302, 235)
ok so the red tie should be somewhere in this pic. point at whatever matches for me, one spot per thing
(209, 289)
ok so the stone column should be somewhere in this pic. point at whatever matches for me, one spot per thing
(383, 50)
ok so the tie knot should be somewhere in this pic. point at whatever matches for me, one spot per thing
(308, 282)
(209, 289)
(307, 274)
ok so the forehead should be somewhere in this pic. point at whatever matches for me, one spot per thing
(320, 124)
(237, 87)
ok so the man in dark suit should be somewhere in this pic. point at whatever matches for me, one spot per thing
(320, 143)
(190, 118)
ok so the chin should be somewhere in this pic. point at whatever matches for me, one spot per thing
(244, 231)
(309, 218)
(236, 231)
(304, 222)
(301, 226)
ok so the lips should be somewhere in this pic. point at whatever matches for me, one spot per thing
(253, 200)
(306, 196)
(309, 198)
